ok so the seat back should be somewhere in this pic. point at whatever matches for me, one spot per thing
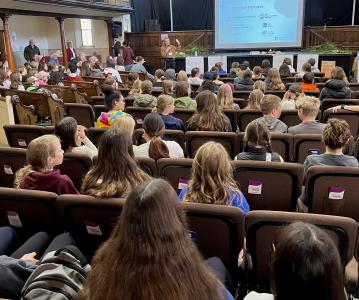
(183, 113)
(82, 113)
(247, 116)
(29, 211)
(328, 103)
(21, 135)
(148, 165)
(290, 117)
(138, 114)
(262, 229)
(88, 219)
(282, 143)
(11, 160)
(56, 107)
(241, 94)
(75, 166)
(98, 109)
(351, 117)
(269, 185)
(195, 139)
(87, 88)
(25, 114)
(218, 231)
(333, 190)
(232, 115)
(177, 171)
(95, 134)
(307, 144)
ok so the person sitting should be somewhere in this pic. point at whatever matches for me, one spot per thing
(120, 64)
(219, 66)
(145, 99)
(208, 116)
(215, 76)
(291, 96)
(116, 172)
(155, 147)
(139, 68)
(131, 79)
(136, 89)
(266, 66)
(254, 100)
(165, 107)
(305, 265)
(151, 244)
(257, 73)
(259, 85)
(288, 62)
(43, 78)
(233, 70)
(208, 84)
(43, 154)
(110, 70)
(85, 69)
(245, 83)
(309, 82)
(336, 135)
(33, 84)
(167, 87)
(23, 72)
(115, 105)
(16, 81)
(273, 81)
(73, 138)
(57, 78)
(182, 76)
(284, 71)
(195, 78)
(308, 109)
(183, 100)
(271, 109)
(159, 77)
(337, 86)
(73, 76)
(225, 98)
(306, 68)
(257, 144)
(170, 74)
(211, 179)
(312, 63)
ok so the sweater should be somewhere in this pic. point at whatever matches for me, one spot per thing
(172, 122)
(51, 181)
(260, 154)
(145, 100)
(273, 124)
(106, 119)
(185, 102)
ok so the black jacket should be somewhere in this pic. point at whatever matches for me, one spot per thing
(244, 85)
(336, 89)
(30, 52)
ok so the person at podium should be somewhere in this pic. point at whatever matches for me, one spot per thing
(168, 53)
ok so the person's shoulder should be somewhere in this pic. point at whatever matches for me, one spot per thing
(257, 296)
(353, 161)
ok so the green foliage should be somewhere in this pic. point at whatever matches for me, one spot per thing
(328, 48)
(192, 50)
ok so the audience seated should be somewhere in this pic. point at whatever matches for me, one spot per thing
(225, 98)
(33, 84)
(291, 96)
(132, 77)
(260, 85)
(234, 69)
(150, 244)
(85, 69)
(208, 116)
(43, 154)
(211, 179)
(254, 100)
(170, 74)
(139, 68)
(312, 62)
(309, 82)
(110, 70)
(16, 81)
(284, 71)
(182, 76)
(306, 265)
(73, 76)
(306, 68)
(167, 87)
(266, 66)
(135, 89)
(115, 172)
(271, 109)
(219, 66)
(288, 62)
(165, 107)
(159, 77)
(257, 144)
(183, 100)
(155, 147)
(245, 83)
(195, 79)
(273, 81)
(73, 138)
(337, 86)
(145, 99)
(257, 73)
(308, 109)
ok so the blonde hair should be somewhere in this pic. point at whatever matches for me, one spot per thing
(136, 88)
(146, 87)
(167, 87)
(268, 103)
(254, 100)
(309, 106)
(211, 180)
(163, 101)
(225, 96)
(125, 122)
(182, 76)
(338, 73)
(274, 82)
(259, 85)
(38, 152)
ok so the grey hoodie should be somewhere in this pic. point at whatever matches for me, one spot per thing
(273, 124)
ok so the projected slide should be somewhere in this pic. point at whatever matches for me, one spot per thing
(259, 24)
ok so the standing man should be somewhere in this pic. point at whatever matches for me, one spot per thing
(168, 52)
(71, 52)
(30, 51)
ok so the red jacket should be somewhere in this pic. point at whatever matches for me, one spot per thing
(69, 54)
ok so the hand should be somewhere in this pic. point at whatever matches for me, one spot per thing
(30, 257)
(286, 95)
(334, 109)
(178, 42)
(81, 131)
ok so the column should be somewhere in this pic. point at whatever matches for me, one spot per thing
(8, 50)
(63, 42)
(110, 37)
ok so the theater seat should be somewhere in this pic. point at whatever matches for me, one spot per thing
(350, 116)
(247, 116)
(82, 113)
(138, 114)
(307, 144)
(11, 160)
(95, 134)
(148, 165)
(282, 143)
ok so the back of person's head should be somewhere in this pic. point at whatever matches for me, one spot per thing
(57, 77)
(211, 176)
(119, 60)
(116, 168)
(182, 89)
(42, 67)
(170, 74)
(194, 72)
(247, 74)
(153, 126)
(208, 85)
(208, 75)
(235, 65)
(163, 102)
(257, 70)
(268, 103)
(312, 61)
(274, 82)
(85, 69)
(246, 64)
(287, 61)
(308, 77)
(266, 64)
(159, 74)
(136, 88)
(307, 67)
(139, 59)
(150, 244)
(306, 265)
(73, 68)
(308, 106)
(110, 62)
(225, 96)
(182, 76)
(132, 76)
(336, 134)
(295, 89)
(209, 115)
(218, 65)
(66, 131)
(167, 87)
(257, 135)
(284, 71)
(259, 85)
(215, 75)
(214, 69)
(146, 87)
(40, 157)
(110, 81)
(16, 80)
(111, 96)
(255, 98)
(338, 73)
(125, 122)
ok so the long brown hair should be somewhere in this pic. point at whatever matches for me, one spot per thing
(150, 255)
(116, 171)
(209, 116)
(15, 79)
(225, 96)
(274, 82)
(153, 126)
(257, 135)
(211, 179)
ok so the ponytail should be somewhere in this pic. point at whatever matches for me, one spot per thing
(158, 149)
(21, 175)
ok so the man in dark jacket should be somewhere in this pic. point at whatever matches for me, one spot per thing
(245, 83)
(31, 50)
(335, 88)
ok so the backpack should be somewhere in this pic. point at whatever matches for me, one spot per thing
(60, 276)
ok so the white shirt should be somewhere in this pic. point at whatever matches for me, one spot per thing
(88, 148)
(195, 80)
(256, 296)
(175, 150)
(115, 74)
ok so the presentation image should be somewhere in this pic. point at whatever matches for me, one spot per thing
(259, 24)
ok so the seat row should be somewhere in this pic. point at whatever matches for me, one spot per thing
(217, 230)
